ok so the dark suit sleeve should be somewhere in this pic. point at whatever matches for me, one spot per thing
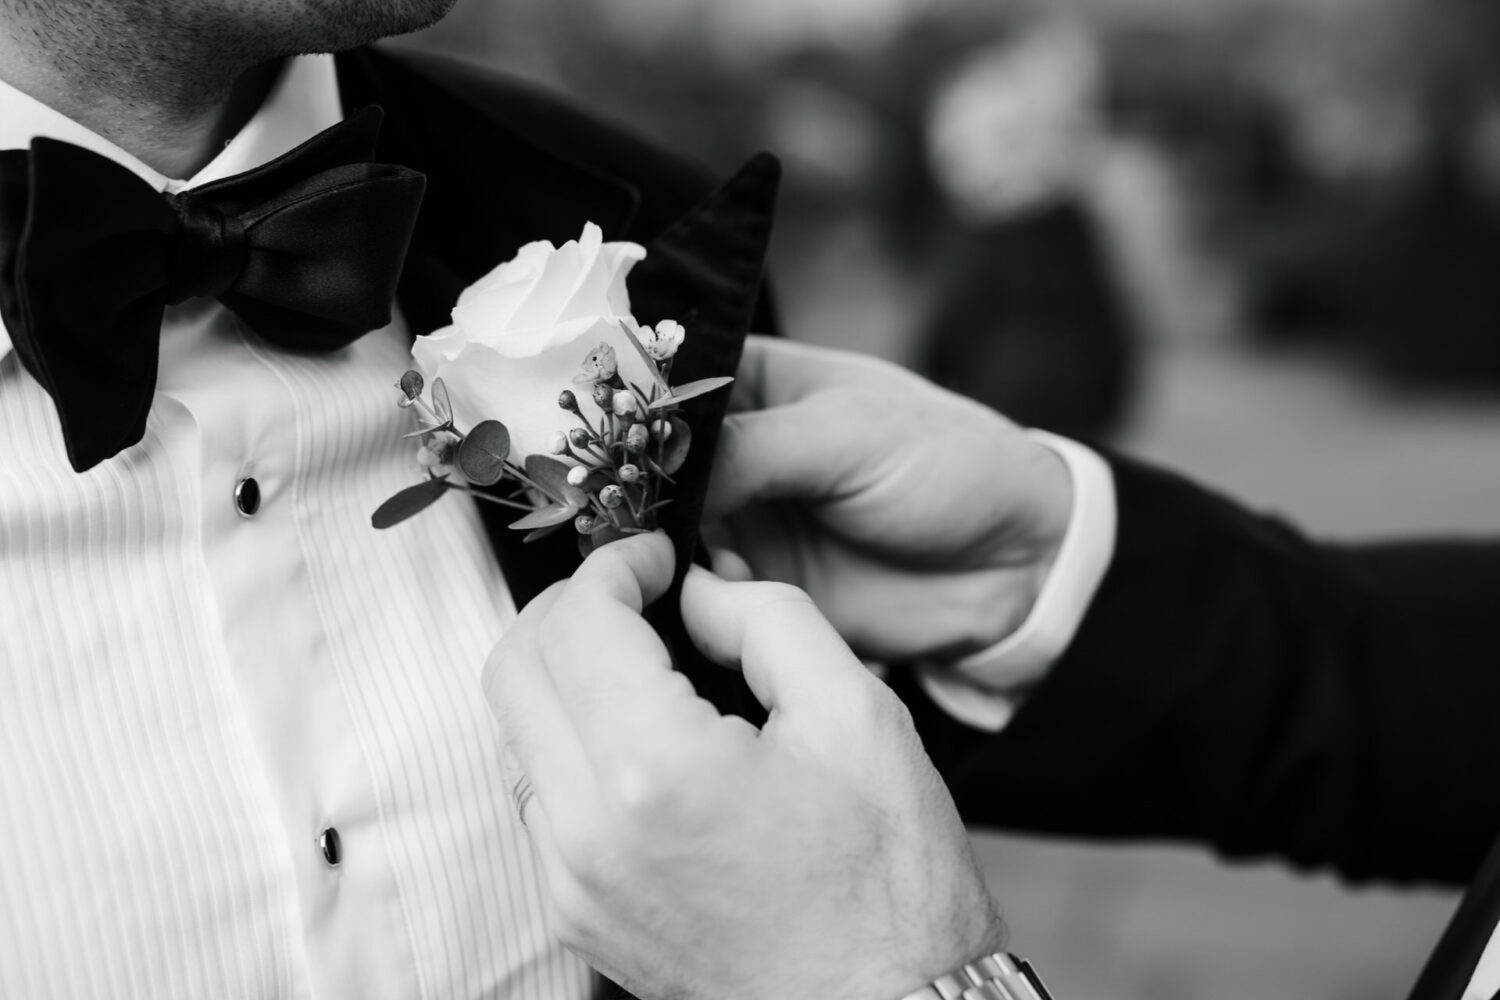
(1236, 685)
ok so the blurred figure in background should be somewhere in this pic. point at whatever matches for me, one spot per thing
(1389, 225)
(1027, 320)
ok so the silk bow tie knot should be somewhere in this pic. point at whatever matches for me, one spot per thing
(211, 249)
(306, 250)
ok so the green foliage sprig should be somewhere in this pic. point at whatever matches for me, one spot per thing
(606, 480)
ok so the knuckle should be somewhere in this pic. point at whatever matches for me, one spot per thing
(676, 686)
(770, 595)
(609, 561)
(656, 795)
(641, 790)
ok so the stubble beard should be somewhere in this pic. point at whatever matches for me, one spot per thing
(187, 54)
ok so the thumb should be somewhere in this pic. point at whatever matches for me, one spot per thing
(793, 452)
(794, 661)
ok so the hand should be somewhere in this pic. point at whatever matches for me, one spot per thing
(688, 855)
(921, 523)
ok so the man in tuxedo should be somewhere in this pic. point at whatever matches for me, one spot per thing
(243, 746)
(1213, 678)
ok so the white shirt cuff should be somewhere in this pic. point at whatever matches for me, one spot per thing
(984, 688)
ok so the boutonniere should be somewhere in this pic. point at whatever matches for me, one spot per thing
(545, 395)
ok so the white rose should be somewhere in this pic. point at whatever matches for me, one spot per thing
(521, 333)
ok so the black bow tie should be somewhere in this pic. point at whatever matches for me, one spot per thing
(306, 250)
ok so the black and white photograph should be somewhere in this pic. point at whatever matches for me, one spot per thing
(749, 499)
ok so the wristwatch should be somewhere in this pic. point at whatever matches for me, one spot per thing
(1001, 976)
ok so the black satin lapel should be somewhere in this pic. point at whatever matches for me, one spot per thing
(706, 272)
(1451, 964)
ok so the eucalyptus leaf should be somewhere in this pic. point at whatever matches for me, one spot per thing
(552, 476)
(683, 393)
(549, 474)
(442, 406)
(675, 451)
(412, 500)
(541, 533)
(576, 497)
(481, 456)
(547, 517)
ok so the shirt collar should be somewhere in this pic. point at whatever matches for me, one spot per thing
(303, 102)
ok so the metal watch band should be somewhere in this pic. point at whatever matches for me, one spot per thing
(1000, 976)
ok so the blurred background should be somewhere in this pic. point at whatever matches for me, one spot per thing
(1256, 240)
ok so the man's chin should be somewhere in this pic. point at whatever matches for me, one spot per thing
(335, 25)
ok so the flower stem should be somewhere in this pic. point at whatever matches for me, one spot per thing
(491, 499)
(589, 459)
(519, 474)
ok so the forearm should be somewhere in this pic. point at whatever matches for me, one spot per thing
(1234, 684)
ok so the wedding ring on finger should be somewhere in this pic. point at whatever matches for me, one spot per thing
(522, 794)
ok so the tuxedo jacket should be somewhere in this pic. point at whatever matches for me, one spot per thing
(1236, 685)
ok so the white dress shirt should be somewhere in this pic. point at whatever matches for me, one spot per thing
(189, 697)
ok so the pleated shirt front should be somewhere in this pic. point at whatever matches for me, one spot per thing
(197, 701)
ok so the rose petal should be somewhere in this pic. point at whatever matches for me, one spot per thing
(550, 291)
(490, 304)
(624, 256)
(431, 351)
(520, 334)
(522, 393)
(601, 287)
